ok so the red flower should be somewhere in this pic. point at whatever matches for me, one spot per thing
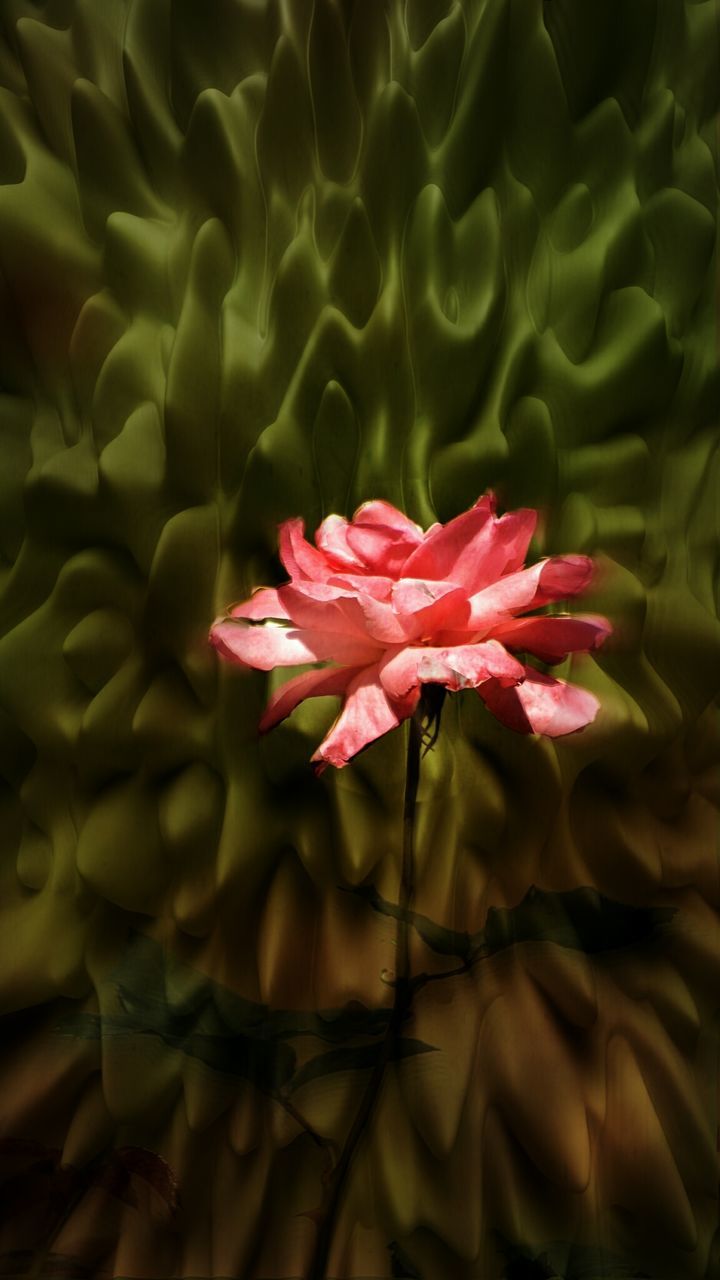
(393, 608)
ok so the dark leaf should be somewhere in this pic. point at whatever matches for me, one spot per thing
(268, 1064)
(566, 1261)
(446, 942)
(151, 1167)
(334, 1025)
(360, 1059)
(62, 1264)
(205, 1007)
(16, 1262)
(27, 1149)
(529, 1269)
(582, 919)
(114, 1178)
(402, 1266)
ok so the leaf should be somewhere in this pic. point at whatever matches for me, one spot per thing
(581, 919)
(16, 1262)
(151, 1167)
(562, 1260)
(142, 978)
(359, 1059)
(447, 942)
(84, 1026)
(333, 1025)
(229, 1034)
(64, 1264)
(269, 1065)
(529, 1269)
(27, 1147)
(39, 1179)
(403, 1268)
(114, 1178)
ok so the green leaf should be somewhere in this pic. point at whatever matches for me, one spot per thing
(563, 1260)
(447, 942)
(359, 1059)
(403, 1268)
(581, 919)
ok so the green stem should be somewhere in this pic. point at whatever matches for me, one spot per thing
(400, 1009)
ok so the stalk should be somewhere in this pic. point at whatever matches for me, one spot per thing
(401, 1005)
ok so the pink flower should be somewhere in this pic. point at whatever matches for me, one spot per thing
(387, 608)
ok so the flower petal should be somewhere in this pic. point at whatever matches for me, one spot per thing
(476, 548)
(562, 577)
(300, 558)
(379, 620)
(331, 538)
(461, 667)
(384, 514)
(448, 550)
(382, 537)
(498, 548)
(318, 605)
(327, 607)
(311, 684)
(263, 603)
(428, 607)
(547, 581)
(552, 638)
(268, 646)
(368, 584)
(367, 714)
(410, 595)
(384, 551)
(541, 704)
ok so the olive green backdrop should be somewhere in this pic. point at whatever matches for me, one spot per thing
(261, 258)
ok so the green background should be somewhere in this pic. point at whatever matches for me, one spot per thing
(264, 258)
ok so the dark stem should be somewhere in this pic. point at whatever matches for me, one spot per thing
(401, 1006)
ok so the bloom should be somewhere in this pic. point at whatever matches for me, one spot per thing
(387, 608)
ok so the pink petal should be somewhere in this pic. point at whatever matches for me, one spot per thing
(552, 638)
(367, 583)
(548, 580)
(367, 714)
(562, 577)
(263, 603)
(268, 646)
(541, 704)
(379, 620)
(508, 541)
(451, 551)
(311, 684)
(490, 547)
(412, 594)
(318, 605)
(387, 516)
(300, 558)
(382, 537)
(331, 537)
(321, 593)
(449, 608)
(331, 608)
(384, 551)
(462, 667)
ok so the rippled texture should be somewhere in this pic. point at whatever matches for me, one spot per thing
(268, 259)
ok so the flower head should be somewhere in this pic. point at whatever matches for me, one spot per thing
(381, 608)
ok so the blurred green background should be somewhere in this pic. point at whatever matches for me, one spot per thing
(264, 258)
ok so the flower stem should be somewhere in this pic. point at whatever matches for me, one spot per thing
(399, 1012)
